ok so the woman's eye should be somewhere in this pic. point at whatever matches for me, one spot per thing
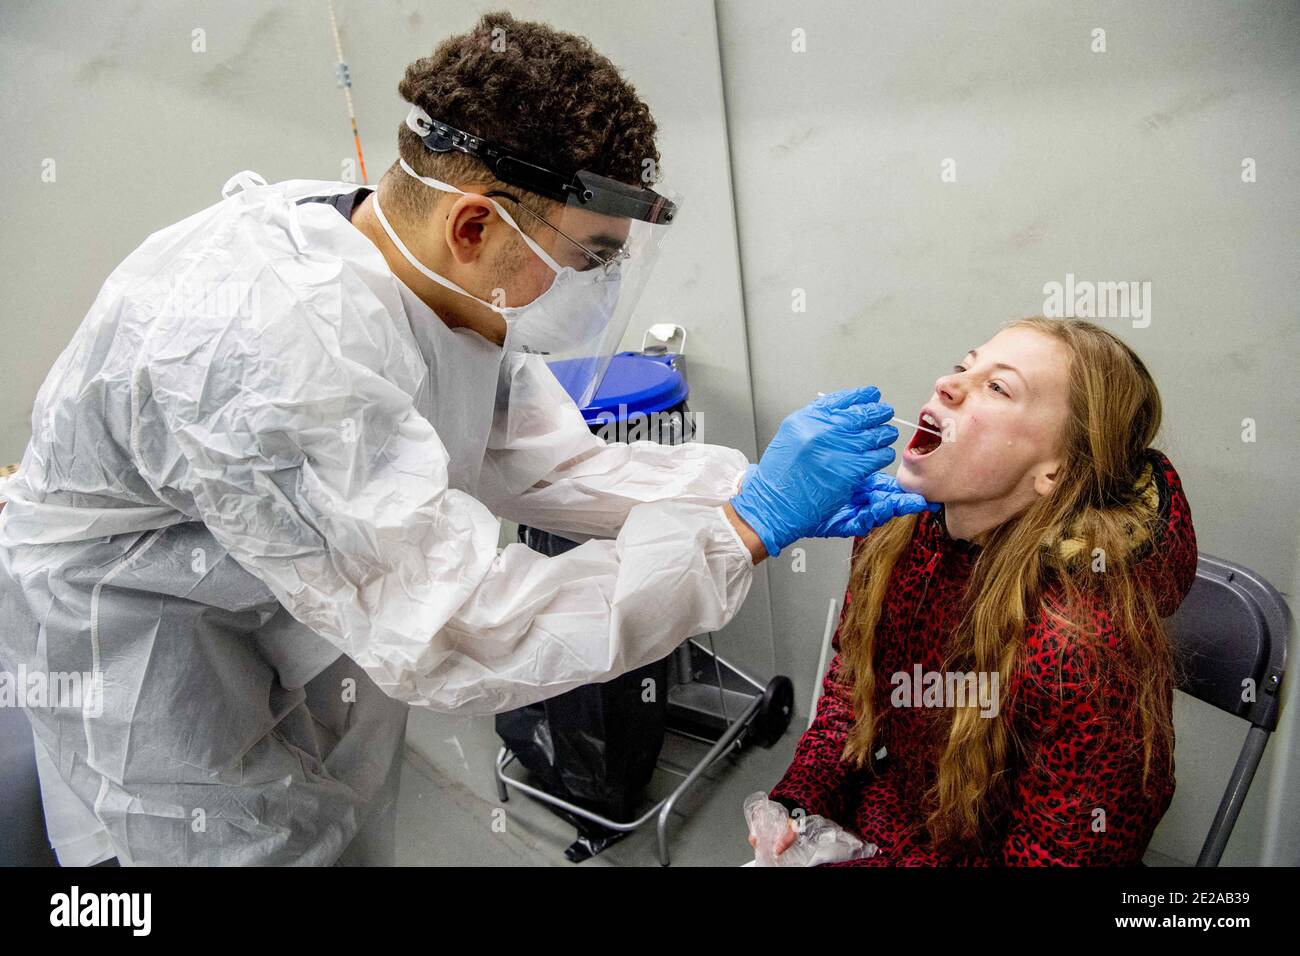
(996, 386)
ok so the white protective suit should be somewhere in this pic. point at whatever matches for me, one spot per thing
(261, 484)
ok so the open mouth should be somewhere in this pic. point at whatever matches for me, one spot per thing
(923, 442)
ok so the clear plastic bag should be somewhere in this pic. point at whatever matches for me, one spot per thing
(817, 840)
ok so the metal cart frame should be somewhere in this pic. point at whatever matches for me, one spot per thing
(707, 690)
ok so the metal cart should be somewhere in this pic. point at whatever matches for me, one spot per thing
(708, 699)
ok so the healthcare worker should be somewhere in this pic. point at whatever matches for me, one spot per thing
(259, 505)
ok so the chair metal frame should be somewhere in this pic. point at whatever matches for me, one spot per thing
(1230, 637)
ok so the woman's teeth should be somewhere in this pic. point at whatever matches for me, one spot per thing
(925, 442)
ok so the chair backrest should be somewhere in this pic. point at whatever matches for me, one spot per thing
(1230, 636)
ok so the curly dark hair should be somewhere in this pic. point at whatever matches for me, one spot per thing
(544, 94)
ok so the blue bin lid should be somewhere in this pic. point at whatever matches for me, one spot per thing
(635, 383)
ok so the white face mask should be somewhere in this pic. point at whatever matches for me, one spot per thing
(575, 309)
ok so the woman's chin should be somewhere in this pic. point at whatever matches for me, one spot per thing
(909, 480)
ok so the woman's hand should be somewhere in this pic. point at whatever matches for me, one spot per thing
(783, 842)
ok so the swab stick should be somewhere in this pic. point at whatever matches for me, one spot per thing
(900, 421)
(920, 428)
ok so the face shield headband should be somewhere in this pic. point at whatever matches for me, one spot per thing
(585, 190)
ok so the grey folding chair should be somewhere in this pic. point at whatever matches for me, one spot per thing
(1230, 635)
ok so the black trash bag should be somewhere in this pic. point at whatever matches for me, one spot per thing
(595, 746)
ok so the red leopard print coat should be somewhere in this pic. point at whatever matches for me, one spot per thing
(1069, 780)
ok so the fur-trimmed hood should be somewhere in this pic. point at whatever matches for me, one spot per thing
(1165, 545)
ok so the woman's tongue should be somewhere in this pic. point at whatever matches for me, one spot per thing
(924, 442)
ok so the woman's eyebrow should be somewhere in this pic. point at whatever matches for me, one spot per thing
(1009, 368)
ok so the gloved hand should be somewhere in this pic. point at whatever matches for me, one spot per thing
(779, 840)
(878, 500)
(821, 455)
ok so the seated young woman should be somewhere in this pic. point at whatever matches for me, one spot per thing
(1062, 541)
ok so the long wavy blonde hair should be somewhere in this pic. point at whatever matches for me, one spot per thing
(1114, 415)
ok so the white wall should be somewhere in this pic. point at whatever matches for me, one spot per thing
(1123, 165)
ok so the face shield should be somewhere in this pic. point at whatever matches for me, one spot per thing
(602, 241)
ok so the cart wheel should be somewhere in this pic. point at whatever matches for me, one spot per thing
(774, 713)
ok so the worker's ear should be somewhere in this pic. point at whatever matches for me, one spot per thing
(465, 229)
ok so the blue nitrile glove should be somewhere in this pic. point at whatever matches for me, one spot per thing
(820, 456)
(878, 500)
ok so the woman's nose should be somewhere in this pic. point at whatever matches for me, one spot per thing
(949, 388)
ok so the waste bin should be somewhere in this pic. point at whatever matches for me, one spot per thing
(596, 746)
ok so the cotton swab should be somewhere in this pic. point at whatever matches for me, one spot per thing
(920, 428)
(901, 421)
